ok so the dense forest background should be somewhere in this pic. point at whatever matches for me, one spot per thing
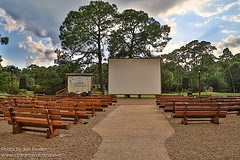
(98, 31)
(216, 74)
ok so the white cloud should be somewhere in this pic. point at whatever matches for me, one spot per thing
(199, 7)
(227, 7)
(232, 18)
(210, 8)
(203, 8)
(231, 42)
(172, 45)
(228, 31)
(45, 54)
(8, 23)
(201, 24)
(6, 62)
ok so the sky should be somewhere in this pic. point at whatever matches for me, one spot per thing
(33, 26)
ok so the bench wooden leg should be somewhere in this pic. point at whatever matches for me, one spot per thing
(16, 128)
(215, 120)
(77, 119)
(184, 121)
(54, 132)
(93, 113)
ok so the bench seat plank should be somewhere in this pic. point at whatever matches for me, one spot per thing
(202, 114)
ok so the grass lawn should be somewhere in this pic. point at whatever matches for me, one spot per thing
(185, 94)
(3, 95)
(220, 94)
(207, 94)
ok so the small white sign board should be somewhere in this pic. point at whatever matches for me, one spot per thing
(79, 82)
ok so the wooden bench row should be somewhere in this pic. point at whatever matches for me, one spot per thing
(105, 100)
(24, 119)
(28, 113)
(232, 107)
(199, 108)
(89, 105)
(203, 111)
(79, 110)
(161, 100)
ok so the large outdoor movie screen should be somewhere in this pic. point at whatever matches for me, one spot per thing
(134, 76)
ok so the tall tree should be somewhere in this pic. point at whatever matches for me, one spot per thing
(225, 61)
(235, 67)
(192, 54)
(137, 35)
(84, 32)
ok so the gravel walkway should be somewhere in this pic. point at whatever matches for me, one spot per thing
(133, 132)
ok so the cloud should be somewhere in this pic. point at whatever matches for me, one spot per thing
(232, 18)
(231, 42)
(206, 22)
(227, 7)
(6, 62)
(43, 50)
(8, 23)
(228, 31)
(205, 8)
(153, 7)
(172, 45)
(41, 18)
(165, 8)
(197, 7)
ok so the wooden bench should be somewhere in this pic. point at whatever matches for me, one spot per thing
(161, 99)
(235, 109)
(1, 109)
(91, 105)
(199, 112)
(104, 100)
(170, 105)
(69, 112)
(91, 102)
(29, 119)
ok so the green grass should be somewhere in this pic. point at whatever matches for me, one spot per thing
(3, 95)
(185, 94)
(224, 94)
(220, 94)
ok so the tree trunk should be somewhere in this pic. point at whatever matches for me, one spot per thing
(231, 77)
(100, 63)
(100, 73)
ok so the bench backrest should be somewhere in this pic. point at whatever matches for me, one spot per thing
(32, 115)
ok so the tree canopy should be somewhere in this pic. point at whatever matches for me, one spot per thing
(137, 35)
(4, 40)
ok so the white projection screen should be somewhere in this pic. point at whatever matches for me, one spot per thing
(134, 76)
